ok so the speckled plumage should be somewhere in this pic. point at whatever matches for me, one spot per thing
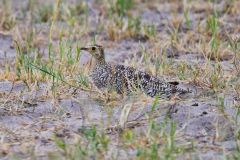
(125, 79)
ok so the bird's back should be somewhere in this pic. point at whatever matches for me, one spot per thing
(128, 79)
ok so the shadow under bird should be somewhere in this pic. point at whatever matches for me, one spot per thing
(124, 79)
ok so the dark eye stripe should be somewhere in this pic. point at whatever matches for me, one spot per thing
(93, 48)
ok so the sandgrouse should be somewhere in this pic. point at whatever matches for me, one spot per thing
(124, 79)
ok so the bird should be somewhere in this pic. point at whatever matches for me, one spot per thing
(125, 79)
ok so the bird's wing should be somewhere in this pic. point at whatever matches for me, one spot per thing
(130, 78)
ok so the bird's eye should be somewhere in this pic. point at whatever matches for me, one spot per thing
(93, 48)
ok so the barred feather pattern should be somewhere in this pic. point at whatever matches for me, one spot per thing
(125, 79)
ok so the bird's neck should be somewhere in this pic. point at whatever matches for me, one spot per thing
(96, 63)
(100, 61)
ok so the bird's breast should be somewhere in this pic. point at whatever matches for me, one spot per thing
(100, 76)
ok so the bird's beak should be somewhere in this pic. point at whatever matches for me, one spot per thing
(84, 48)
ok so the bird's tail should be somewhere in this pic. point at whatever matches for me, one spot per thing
(182, 91)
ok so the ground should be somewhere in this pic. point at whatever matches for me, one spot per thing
(49, 108)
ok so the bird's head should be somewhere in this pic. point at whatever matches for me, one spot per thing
(96, 51)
